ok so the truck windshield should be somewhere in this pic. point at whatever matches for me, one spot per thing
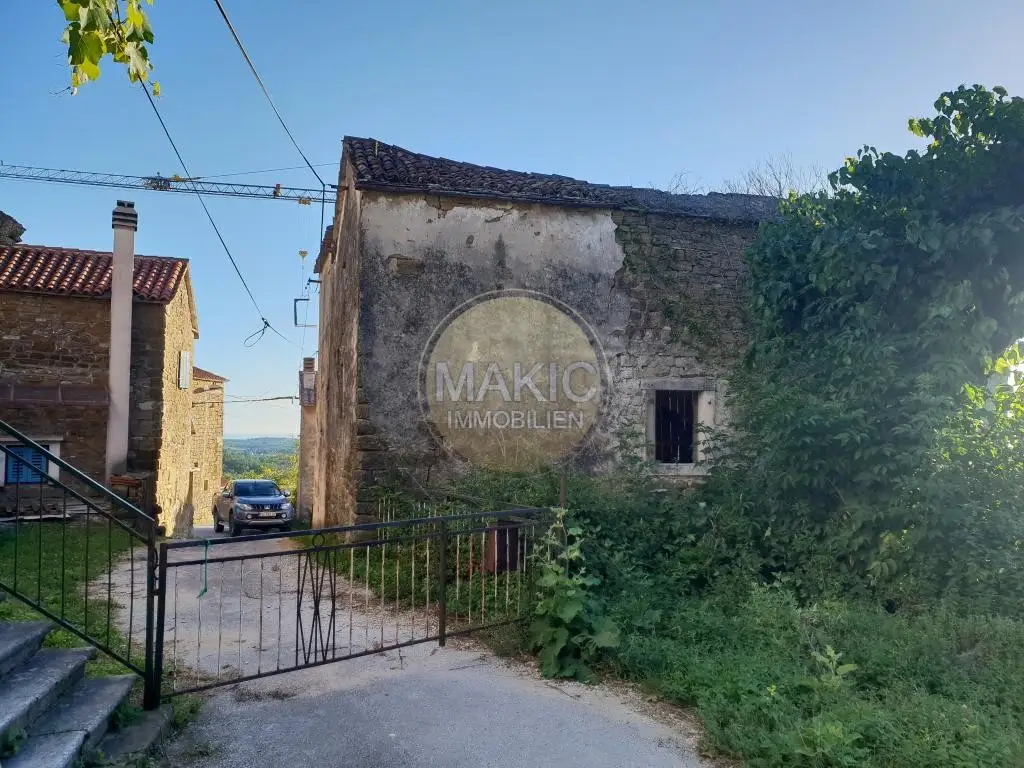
(257, 488)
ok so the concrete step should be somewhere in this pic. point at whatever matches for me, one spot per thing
(126, 746)
(57, 750)
(87, 708)
(19, 640)
(74, 725)
(31, 688)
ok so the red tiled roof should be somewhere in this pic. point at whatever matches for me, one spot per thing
(200, 373)
(74, 272)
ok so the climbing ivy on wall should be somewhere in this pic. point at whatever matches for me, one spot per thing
(881, 310)
(655, 270)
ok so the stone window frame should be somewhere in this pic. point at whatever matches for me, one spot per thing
(708, 390)
(52, 444)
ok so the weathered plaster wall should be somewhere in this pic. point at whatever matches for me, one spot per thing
(207, 446)
(422, 257)
(175, 483)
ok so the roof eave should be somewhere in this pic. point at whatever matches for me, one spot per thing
(557, 202)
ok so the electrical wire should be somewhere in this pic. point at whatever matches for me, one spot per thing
(256, 173)
(280, 119)
(247, 400)
(266, 323)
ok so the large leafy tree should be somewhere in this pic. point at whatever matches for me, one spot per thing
(97, 29)
(880, 309)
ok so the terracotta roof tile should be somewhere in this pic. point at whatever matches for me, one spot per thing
(386, 167)
(201, 373)
(74, 272)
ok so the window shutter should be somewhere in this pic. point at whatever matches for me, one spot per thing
(184, 369)
(20, 473)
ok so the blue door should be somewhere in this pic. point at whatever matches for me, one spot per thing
(17, 472)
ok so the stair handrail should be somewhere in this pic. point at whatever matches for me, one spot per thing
(78, 475)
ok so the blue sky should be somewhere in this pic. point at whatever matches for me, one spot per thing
(623, 93)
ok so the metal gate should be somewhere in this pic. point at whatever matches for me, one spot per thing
(247, 607)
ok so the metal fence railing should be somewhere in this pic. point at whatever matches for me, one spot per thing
(247, 607)
(61, 536)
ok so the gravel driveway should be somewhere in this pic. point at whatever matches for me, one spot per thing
(414, 707)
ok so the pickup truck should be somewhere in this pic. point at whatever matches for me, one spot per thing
(257, 504)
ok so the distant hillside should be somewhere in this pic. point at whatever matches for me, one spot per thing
(261, 445)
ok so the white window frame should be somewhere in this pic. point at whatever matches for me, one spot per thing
(707, 394)
(52, 444)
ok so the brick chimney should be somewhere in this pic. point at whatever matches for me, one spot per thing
(125, 222)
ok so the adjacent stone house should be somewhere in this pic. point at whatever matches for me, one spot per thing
(207, 441)
(58, 382)
(655, 281)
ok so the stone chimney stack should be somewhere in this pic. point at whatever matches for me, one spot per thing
(125, 223)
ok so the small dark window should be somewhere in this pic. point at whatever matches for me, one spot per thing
(675, 426)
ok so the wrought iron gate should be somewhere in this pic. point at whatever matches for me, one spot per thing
(247, 607)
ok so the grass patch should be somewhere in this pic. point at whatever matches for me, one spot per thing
(932, 688)
(185, 709)
(52, 564)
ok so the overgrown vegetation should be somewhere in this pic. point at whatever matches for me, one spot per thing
(847, 589)
(569, 627)
(881, 434)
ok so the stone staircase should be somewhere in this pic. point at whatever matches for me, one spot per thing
(51, 715)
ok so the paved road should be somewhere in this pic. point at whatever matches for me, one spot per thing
(420, 707)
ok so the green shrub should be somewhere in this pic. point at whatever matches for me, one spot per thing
(569, 628)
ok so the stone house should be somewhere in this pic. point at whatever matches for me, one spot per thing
(104, 377)
(207, 442)
(653, 280)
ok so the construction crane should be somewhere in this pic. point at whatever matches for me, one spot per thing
(175, 183)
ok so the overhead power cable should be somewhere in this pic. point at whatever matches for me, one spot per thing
(264, 170)
(273, 106)
(266, 323)
(245, 400)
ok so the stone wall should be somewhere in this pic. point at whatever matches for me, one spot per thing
(54, 357)
(307, 457)
(207, 446)
(144, 425)
(49, 339)
(175, 483)
(686, 279)
(339, 267)
(306, 490)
